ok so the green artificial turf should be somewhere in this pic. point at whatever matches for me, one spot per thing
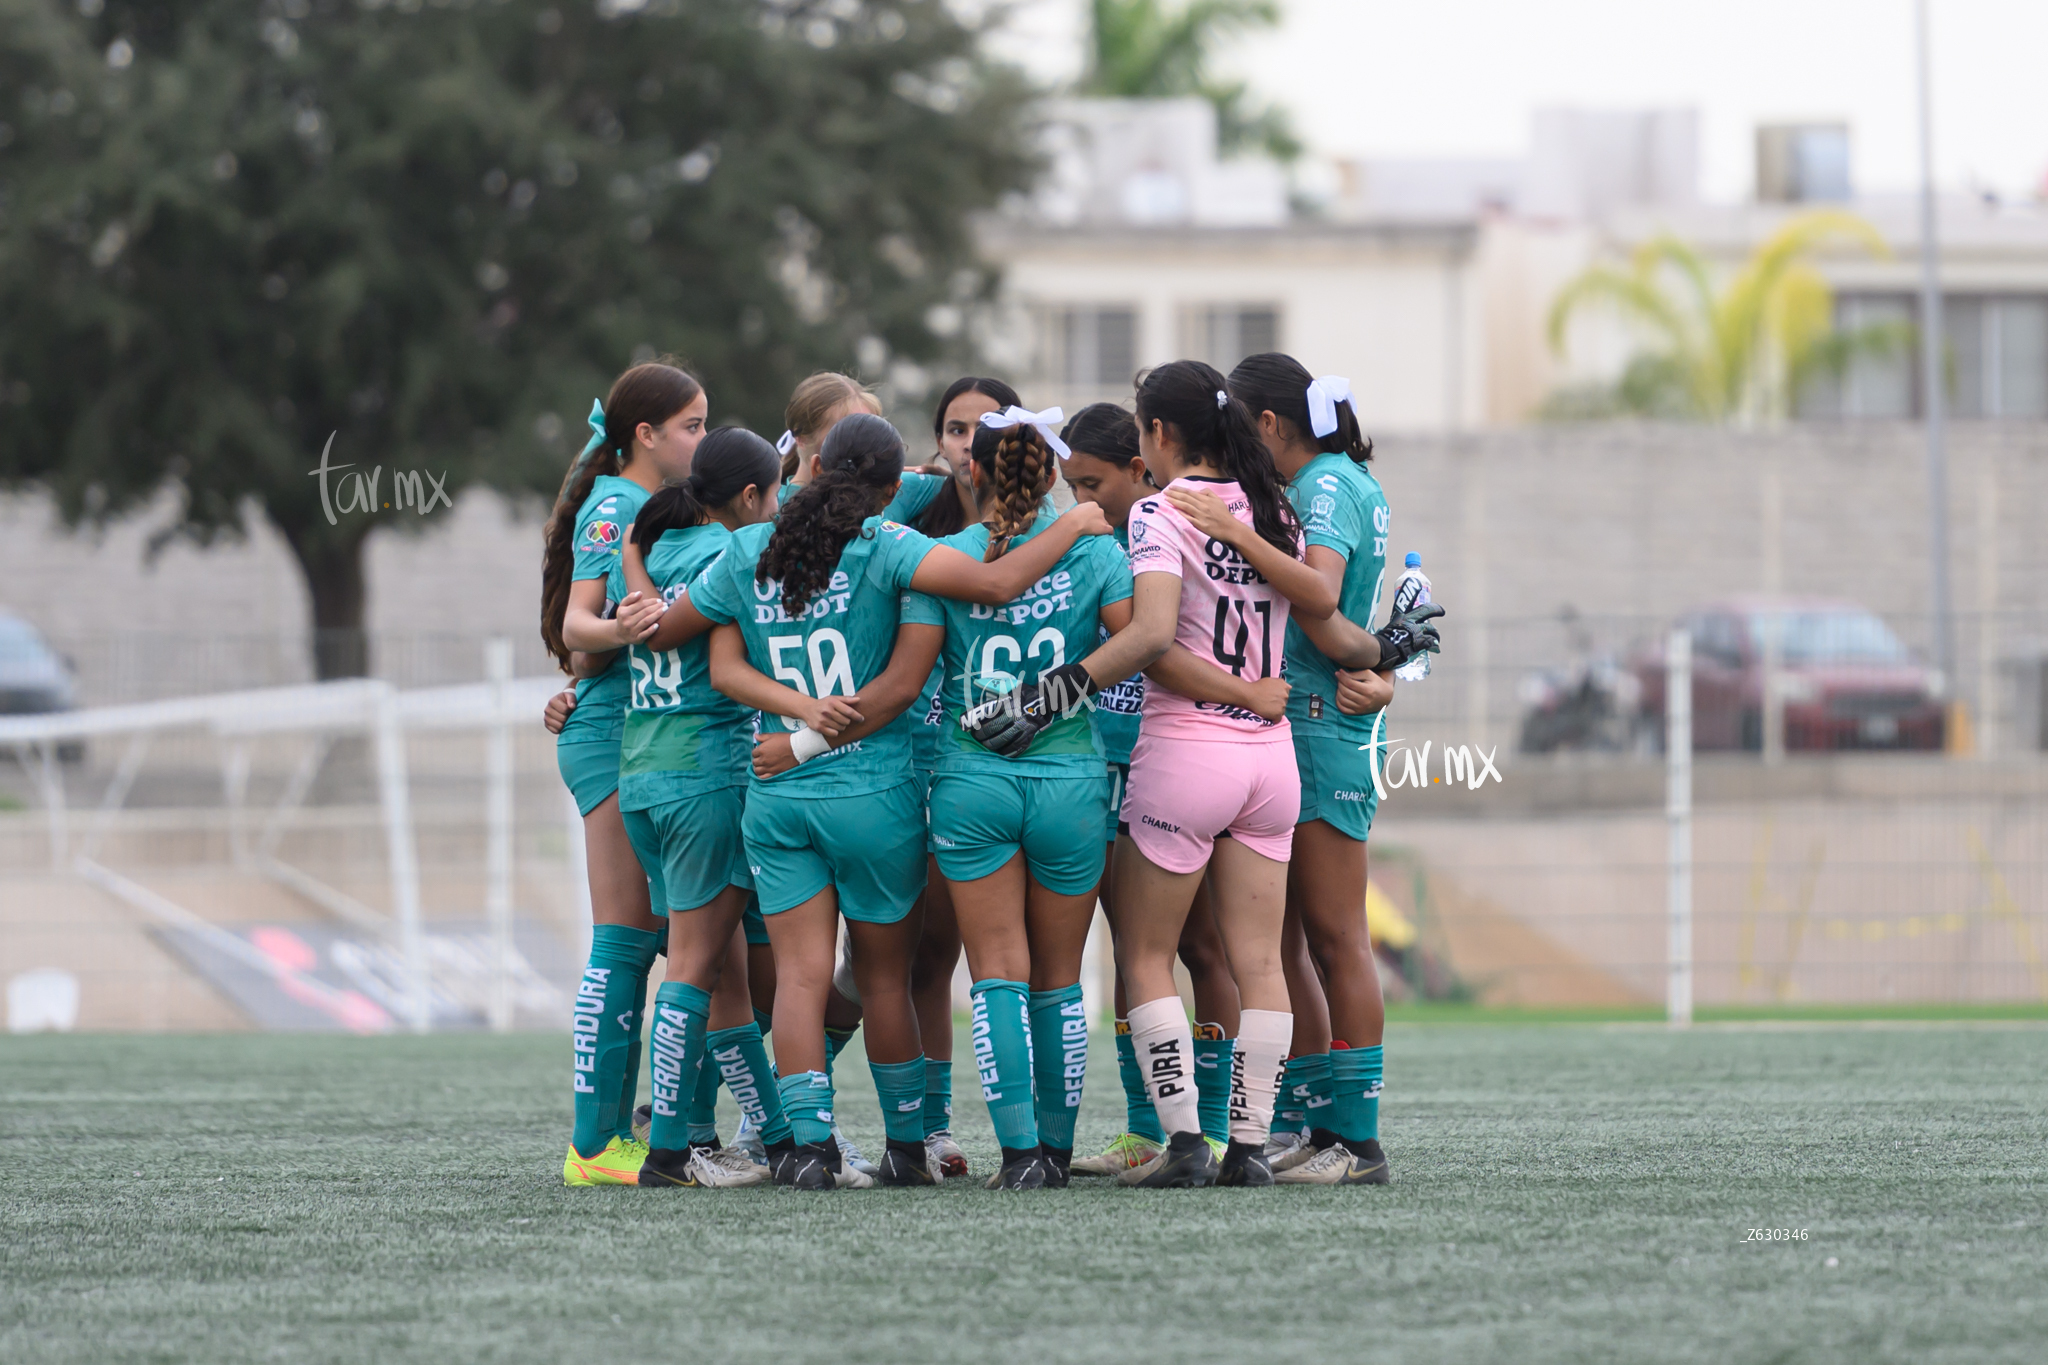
(1567, 1192)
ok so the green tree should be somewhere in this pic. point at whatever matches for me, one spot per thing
(1741, 353)
(233, 232)
(1153, 49)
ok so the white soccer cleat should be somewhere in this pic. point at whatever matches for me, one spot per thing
(850, 1157)
(1337, 1164)
(943, 1156)
(1285, 1151)
(723, 1170)
(748, 1140)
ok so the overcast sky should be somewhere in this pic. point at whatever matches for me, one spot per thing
(1460, 77)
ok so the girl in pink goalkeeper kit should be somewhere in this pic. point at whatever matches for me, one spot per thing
(1213, 782)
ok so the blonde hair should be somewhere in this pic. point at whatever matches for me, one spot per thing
(813, 402)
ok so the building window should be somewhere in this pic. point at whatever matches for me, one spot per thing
(1996, 348)
(1089, 347)
(1223, 334)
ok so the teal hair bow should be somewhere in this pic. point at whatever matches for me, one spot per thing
(596, 420)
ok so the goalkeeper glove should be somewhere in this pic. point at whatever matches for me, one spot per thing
(1409, 634)
(1006, 725)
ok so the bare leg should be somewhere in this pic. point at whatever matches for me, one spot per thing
(618, 884)
(700, 942)
(1326, 888)
(931, 975)
(805, 940)
(1201, 950)
(882, 955)
(1152, 909)
(732, 1005)
(1251, 903)
(1304, 984)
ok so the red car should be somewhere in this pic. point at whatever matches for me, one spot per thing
(1845, 679)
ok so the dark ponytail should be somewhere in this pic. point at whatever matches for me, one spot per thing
(728, 462)
(948, 510)
(1017, 472)
(1103, 431)
(650, 393)
(1190, 398)
(1277, 383)
(859, 467)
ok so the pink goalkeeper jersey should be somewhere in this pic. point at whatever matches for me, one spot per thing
(1230, 616)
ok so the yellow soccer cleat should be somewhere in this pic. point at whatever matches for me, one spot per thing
(618, 1164)
(1126, 1151)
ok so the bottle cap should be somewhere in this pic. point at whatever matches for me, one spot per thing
(1414, 560)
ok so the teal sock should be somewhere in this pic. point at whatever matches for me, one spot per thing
(1212, 1080)
(899, 1086)
(1139, 1115)
(603, 1026)
(938, 1095)
(1355, 1078)
(1059, 1062)
(1002, 1055)
(1316, 1103)
(679, 1014)
(703, 1117)
(629, 1092)
(836, 1040)
(1290, 1106)
(739, 1058)
(807, 1100)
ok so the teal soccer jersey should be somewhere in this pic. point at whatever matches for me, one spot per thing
(1342, 508)
(991, 650)
(601, 527)
(1118, 706)
(839, 642)
(913, 497)
(682, 737)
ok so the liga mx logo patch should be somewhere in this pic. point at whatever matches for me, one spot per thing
(602, 533)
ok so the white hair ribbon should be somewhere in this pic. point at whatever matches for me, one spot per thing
(785, 443)
(1324, 394)
(1047, 422)
(1222, 399)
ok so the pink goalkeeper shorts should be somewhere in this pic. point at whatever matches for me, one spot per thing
(1185, 794)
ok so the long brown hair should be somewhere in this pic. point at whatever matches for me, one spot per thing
(948, 510)
(861, 464)
(1018, 469)
(650, 393)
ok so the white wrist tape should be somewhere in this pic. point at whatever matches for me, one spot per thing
(807, 744)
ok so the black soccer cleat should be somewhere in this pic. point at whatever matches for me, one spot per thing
(1058, 1165)
(1023, 1171)
(1187, 1163)
(811, 1167)
(1369, 1164)
(1244, 1163)
(669, 1166)
(782, 1161)
(904, 1163)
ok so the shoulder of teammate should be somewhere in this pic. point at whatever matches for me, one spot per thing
(899, 549)
(1330, 502)
(922, 609)
(716, 592)
(1157, 533)
(1101, 563)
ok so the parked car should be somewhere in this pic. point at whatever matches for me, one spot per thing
(34, 678)
(1844, 678)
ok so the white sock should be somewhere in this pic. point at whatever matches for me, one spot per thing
(1166, 1050)
(1263, 1037)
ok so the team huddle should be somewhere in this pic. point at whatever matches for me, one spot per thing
(836, 720)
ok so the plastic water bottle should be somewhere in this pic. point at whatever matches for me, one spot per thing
(1410, 591)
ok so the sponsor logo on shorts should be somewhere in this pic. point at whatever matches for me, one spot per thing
(943, 842)
(1351, 796)
(1158, 824)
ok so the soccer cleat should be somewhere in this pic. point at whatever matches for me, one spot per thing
(672, 1166)
(748, 1140)
(1056, 1166)
(812, 1167)
(907, 1164)
(782, 1162)
(1025, 1173)
(1285, 1151)
(1127, 1151)
(850, 1154)
(944, 1155)
(643, 1122)
(1186, 1162)
(618, 1164)
(1244, 1163)
(731, 1168)
(1215, 1147)
(1339, 1165)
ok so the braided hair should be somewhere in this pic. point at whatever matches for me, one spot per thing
(860, 465)
(1017, 469)
(1277, 383)
(1189, 398)
(650, 393)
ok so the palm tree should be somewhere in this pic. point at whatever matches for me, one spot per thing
(1742, 354)
(1151, 49)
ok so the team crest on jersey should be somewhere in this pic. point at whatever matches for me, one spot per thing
(1140, 529)
(602, 533)
(1323, 506)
